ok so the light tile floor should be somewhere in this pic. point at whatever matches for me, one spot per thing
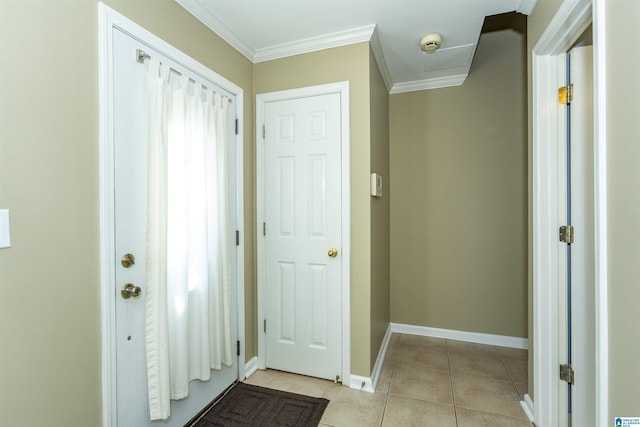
(424, 382)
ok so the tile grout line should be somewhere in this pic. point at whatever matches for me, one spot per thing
(393, 367)
(453, 395)
(513, 382)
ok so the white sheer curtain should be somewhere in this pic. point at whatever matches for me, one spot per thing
(188, 238)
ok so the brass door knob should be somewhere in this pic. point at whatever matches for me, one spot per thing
(333, 252)
(130, 291)
(128, 260)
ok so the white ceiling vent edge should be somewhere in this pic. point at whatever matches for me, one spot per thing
(202, 14)
(314, 44)
(435, 83)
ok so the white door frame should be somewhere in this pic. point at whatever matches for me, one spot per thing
(343, 89)
(109, 20)
(569, 22)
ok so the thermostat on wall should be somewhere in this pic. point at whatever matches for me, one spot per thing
(376, 185)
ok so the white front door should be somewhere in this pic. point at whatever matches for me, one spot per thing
(130, 161)
(303, 253)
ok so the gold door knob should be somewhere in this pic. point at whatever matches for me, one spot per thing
(130, 291)
(128, 260)
(333, 252)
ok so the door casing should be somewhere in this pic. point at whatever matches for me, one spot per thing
(110, 20)
(343, 89)
(570, 21)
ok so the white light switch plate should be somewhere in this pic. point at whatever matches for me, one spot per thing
(5, 234)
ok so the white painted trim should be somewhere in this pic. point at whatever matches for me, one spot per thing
(570, 21)
(343, 89)
(314, 44)
(545, 246)
(378, 54)
(527, 407)
(107, 232)
(108, 20)
(475, 337)
(600, 213)
(436, 83)
(251, 367)
(202, 14)
(382, 352)
(358, 382)
(240, 248)
(526, 6)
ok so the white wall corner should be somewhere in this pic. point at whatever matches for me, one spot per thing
(527, 407)
(250, 367)
(378, 54)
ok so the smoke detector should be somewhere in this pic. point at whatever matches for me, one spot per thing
(430, 43)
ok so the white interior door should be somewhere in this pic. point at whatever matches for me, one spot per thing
(130, 157)
(303, 261)
(582, 283)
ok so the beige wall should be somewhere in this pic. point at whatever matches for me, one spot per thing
(623, 204)
(49, 279)
(50, 332)
(380, 210)
(328, 66)
(459, 198)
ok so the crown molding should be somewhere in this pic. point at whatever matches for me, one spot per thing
(314, 44)
(204, 15)
(526, 6)
(435, 83)
(378, 54)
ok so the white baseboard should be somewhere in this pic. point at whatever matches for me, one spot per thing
(475, 337)
(377, 367)
(358, 382)
(527, 406)
(369, 383)
(250, 367)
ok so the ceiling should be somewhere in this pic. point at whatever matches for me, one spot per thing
(263, 30)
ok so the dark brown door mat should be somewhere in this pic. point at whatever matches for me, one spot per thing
(250, 405)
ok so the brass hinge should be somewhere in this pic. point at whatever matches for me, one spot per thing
(566, 234)
(565, 94)
(264, 132)
(567, 374)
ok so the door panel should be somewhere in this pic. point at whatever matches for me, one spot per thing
(130, 158)
(303, 216)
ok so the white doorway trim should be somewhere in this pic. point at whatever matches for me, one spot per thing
(110, 20)
(569, 22)
(343, 89)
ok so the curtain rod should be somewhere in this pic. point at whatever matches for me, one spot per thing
(141, 55)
